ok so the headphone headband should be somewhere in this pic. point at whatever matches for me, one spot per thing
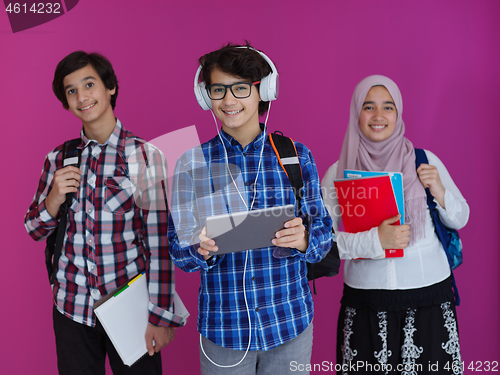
(268, 89)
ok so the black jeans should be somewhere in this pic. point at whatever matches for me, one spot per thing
(81, 350)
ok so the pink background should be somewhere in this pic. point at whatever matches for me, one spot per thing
(444, 55)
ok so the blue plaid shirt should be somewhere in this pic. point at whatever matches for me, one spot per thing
(278, 294)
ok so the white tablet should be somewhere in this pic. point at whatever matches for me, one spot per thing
(248, 229)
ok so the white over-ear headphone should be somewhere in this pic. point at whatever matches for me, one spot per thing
(268, 90)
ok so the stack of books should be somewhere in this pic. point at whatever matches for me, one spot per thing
(366, 199)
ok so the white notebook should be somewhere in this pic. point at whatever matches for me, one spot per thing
(124, 315)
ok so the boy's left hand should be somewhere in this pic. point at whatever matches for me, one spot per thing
(429, 177)
(161, 336)
(294, 235)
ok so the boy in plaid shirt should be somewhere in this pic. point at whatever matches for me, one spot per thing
(111, 235)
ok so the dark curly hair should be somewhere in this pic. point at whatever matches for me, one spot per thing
(236, 61)
(78, 60)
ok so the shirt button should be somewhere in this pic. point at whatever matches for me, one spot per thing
(89, 211)
(253, 278)
(92, 268)
(244, 154)
(257, 309)
(95, 291)
(91, 181)
(90, 241)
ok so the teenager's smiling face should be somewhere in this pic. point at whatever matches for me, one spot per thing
(235, 114)
(379, 115)
(87, 96)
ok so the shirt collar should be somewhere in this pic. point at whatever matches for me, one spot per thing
(116, 138)
(229, 141)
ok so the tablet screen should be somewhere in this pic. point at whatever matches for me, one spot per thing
(248, 229)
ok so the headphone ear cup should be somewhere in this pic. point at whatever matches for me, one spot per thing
(268, 89)
(264, 89)
(202, 96)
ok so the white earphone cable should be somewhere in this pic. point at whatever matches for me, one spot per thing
(249, 326)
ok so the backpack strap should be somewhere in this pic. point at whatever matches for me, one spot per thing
(287, 155)
(71, 156)
(421, 158)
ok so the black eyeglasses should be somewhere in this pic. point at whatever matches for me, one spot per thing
(240, 90)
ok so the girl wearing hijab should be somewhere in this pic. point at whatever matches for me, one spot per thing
(397, 314)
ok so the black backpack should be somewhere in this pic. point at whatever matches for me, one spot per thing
(71, 156)
(287, 155)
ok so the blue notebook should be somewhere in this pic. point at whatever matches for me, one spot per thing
(397, 185)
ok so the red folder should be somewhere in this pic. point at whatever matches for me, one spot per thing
(365, 202)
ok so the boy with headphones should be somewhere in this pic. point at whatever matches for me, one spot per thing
(110, 236)
(255, 306)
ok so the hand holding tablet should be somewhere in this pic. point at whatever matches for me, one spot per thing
(252, 230)
(294, 235)
(207, 245)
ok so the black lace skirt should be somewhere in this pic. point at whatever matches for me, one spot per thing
(406, 332)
